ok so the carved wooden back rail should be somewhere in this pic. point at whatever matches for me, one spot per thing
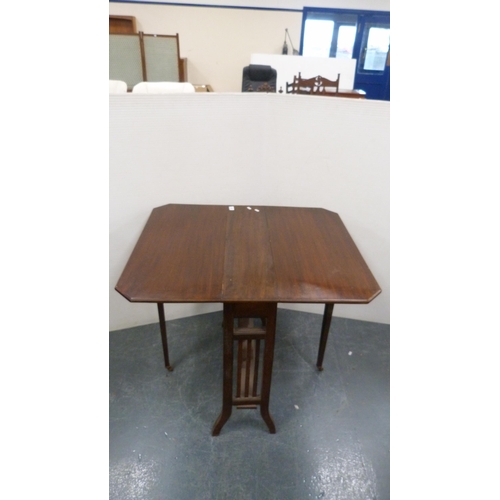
(318, 85)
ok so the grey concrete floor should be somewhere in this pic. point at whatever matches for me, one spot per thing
(332, 439)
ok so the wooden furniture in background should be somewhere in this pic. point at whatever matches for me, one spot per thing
(122, 24)
(135, 58)
(352, 94)
(301, 85)
(203, 88)
(183, 70)
(248, 258)
(327, 87)
(319, 85)
(126, 58)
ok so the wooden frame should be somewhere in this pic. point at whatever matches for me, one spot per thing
(122, 25)
(150, 49)
(149, 54)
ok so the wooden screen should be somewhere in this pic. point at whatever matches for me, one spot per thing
(162, 58)
(125, 59)
(135, 58)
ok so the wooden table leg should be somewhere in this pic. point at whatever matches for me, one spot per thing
(249, 339)
(270, 326)
(325, 328)
(227, 376)
(163, 331)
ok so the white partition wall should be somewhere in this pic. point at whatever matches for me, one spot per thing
(249, 149)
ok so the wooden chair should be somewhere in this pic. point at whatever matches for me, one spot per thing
(318, 85)
(301, 85)
(306, 85)
(326, 86)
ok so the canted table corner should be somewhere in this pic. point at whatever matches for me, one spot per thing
(249, 259)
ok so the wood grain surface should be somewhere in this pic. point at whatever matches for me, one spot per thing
(208, 253)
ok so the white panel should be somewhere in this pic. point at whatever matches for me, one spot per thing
(163, 88)
(249, 149)
(309, 67)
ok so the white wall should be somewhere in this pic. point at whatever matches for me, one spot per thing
(218, 42)
(249, 149)
(286, 4)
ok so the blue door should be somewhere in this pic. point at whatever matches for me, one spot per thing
(372, 51)
(356, 34)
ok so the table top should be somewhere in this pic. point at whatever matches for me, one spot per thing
(210, 253)
(350, 93)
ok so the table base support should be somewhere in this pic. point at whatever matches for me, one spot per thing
(325, 328)
(163, 331)
(244, 393)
